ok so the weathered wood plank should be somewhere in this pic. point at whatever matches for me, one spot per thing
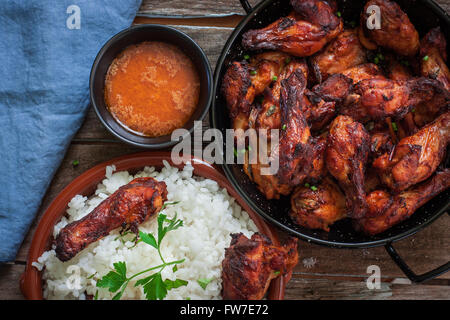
(193, 8)
(297, 289)
(9, 281)
(328, 289)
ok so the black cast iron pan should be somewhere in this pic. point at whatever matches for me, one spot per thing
(424, 14)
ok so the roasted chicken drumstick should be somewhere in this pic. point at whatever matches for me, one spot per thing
(295, 149)
(302, 33)
(250, 265)
(387, 210)
(416, 157)
(382, 98)
(396, 31)
(318, 208)
(128, 207)
(346, 157)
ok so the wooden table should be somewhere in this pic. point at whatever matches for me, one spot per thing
(322, 273)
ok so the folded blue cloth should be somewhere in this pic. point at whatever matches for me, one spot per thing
(46, 52)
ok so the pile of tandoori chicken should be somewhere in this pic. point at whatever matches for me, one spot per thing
(363, 114)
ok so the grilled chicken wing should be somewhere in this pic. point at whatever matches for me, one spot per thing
(269, 116)
(433, 51)
(346, 157)
(318, 208)
(302, 33)
(433, 54)
(250, 264)
(320, 103)
(342, 53)
(129, 206)
(268, 184)
(243, 81)
(380, 143)
(396, 33)
(416, 157)
(362, 72)
(387, 210)
(295, 150)
(352, 106)
(382, 98)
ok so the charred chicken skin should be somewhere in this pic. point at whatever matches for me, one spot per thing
(433, 54)
(243, 81)
(302, 33)
(346, 157)
(342, 53)
(295, 150)
(318, 208)
(269, 116)
(128, 207)
(382, 98)
(416, 157)
(388, 210)
(250, 265)
(396, 33)
(433, 51)
(268, 184)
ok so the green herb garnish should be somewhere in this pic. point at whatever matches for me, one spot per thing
(96, 295)
(204, 282)
(307, 185)
(338, 14)
(274, 78)
(253, 72)
(154, 286)
(313, 188)
(287, 60)
(413, 110)
(276, 273)
(425, 58)
(283, 127)
(394, 126)
(246, 57)
(169, 204)
(271, 110)
(91, 276)
(75, 163)
(376, 60)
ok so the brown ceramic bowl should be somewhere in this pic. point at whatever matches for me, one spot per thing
(85, 184)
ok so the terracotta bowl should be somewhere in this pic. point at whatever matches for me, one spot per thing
(85, 184)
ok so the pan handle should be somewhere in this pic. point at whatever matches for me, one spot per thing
(247, 7)
(417, 278)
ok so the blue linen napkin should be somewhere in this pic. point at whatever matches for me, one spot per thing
(46, 52)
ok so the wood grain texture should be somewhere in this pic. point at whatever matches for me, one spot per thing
(193, 8)
(322, 273)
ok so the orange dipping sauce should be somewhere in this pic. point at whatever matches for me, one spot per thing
(152, 88)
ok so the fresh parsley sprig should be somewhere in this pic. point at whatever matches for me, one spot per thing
(154, 286)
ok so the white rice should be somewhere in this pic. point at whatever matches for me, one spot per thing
(209, 216)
